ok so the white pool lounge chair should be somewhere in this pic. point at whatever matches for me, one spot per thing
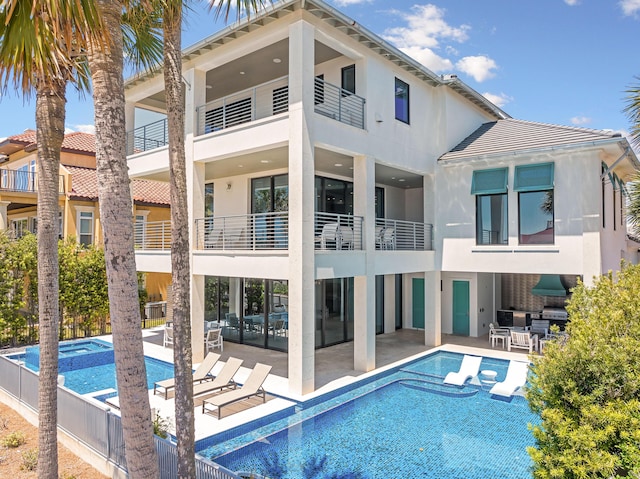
(516, 378)
(223, 380)
(251, 387)
(199, 375)
(468, 369)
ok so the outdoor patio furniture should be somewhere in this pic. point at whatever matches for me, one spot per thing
(389, 238)
(168, 336)
(278, 328)
(522, 340)
(214, 340)
(251, 387)
(498, 334)
(468, 369)
(516, 378)
(223, 380)
(201, 374)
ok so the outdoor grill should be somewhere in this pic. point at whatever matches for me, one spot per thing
(555, 315)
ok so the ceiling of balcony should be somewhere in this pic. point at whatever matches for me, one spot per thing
(253, 69)
(327, 162)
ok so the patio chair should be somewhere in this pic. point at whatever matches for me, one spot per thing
(330, 234)
(168, 336)
(389, 238)
(516, 378)
(278, 328)
(522, 340)
(468, 369)
(201, 374)
(214, 340)
(345, 238)
(223, 380)
(251, 387)
(379, 234)
(498, 334)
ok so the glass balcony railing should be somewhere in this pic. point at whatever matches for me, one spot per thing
(23, 181)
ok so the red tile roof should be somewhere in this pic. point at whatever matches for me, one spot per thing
(73, 142)
(84, 185)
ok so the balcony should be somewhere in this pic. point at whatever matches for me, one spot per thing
(398, 235)
(21, 181)
(339, 104)
(262, 101)
(148, 137)
(153, 235)
(260, 231)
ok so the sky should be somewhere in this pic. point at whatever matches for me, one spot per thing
(565, 62)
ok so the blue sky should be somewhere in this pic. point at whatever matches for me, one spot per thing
(566, 62)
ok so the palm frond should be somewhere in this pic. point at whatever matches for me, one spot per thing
(242, 7)
(632, 110)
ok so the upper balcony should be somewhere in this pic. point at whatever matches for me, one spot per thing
(262, 101)
(21, 181)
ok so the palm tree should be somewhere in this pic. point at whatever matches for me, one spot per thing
(180, 270)
(115, 205)
(38, 42)
(632, 109)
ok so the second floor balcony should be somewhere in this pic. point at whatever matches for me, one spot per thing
(21, 181)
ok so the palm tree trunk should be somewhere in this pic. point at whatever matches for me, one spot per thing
(180, 270)
(114, 196)
(50, 116)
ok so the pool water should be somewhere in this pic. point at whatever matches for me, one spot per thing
(407, 424)
(88, 366)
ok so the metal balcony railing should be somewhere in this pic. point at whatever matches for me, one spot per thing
(248, 105)
(23, 181)
(403, 235)
(339, 104)
(338, 232)
(147, 137)
(259, 231)
(152, 235)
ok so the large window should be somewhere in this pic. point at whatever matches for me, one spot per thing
(85, 227)
(534, 184)
(208, 200)
(492, 219)
(402, 101)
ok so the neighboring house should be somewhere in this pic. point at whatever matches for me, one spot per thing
(79, 214)
(330, 203)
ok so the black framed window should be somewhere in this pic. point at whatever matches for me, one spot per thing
(349, 78)
(402, 101)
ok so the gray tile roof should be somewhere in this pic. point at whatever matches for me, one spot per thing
(510, 136)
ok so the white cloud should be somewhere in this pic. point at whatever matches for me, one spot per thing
(480, 67)
(572, 3)
(425, 28)
(429, 58)
(630, 7)
(499, 100)
(580, 120)
(82, 128)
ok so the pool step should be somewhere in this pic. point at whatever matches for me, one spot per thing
(438, 388)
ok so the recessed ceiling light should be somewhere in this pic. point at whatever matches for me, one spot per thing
(264, 161)
(240, 166)
(401, 179)
(337, 164)
(393, 177)
(241, 73)
(277, 60)
(209, 87)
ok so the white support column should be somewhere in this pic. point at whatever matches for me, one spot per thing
(130, 116)
(195, 92)
(389, 303)
(364, 296)
(301, 209)
(432, 309)
(4, 222)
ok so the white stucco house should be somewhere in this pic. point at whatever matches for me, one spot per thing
(338, 189)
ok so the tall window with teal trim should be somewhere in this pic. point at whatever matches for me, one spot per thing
(492, 218)
(534, 184)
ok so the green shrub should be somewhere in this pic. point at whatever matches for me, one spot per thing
(29, 460)
(160, 426)
(15, 439)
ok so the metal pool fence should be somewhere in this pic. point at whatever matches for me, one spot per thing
(95, 425)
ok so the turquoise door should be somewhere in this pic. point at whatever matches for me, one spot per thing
(418, 303)
(461, 308)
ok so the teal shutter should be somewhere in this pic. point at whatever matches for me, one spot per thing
(489, 182)
(534, 177)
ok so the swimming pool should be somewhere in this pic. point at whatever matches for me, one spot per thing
(88, 366)
(406, 424)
